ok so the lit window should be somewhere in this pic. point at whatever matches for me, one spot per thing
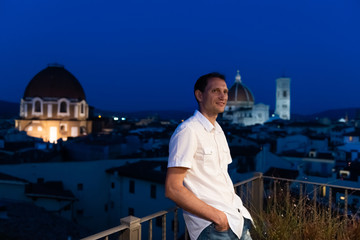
(30, 129)
(39, 128)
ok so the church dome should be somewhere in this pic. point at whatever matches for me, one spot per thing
(239, 94)
(54, 82)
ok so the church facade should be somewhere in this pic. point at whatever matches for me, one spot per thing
(241, 108)
(54, 106)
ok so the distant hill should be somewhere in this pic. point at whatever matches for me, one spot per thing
(9, 109)
(162, 114)
(336, 114)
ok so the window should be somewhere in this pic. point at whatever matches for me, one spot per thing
(37, 106)
(80, 212)
(63, 127)
(63, 107)
(131, 212)
(80, 187)
(284, 106)
(159, 221)
(106, 208)
(153, 191)
(284, 93)
(82, 108)
(131, 186)
(112, 185)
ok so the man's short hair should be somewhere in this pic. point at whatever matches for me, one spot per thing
(202, 82)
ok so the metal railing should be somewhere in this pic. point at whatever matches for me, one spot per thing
(255, 193)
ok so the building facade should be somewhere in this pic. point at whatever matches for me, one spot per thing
(282, 109)
(54, 106)
(241, 108)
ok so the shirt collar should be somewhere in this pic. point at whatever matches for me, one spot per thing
(206, 123)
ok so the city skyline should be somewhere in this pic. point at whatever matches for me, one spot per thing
(147, 56)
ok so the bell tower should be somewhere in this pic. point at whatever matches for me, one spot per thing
(282, 108)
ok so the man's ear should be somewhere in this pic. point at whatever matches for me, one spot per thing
(198, 95)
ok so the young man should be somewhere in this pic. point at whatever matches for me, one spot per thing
(197, 178)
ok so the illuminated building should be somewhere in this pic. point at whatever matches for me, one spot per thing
(282, 109)
(241, 108)
(54, 106)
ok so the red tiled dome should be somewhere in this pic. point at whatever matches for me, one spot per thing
(240, 94)
(54, 82)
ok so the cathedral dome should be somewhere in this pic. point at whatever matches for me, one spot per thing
(239, 94)
(54, 82)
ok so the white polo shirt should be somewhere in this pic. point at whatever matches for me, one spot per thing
(202, 148)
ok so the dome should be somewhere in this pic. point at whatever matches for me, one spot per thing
(54, 82)
(239, 94)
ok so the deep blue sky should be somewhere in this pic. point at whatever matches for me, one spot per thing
(146, 55)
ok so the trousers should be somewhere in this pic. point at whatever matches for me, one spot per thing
(210, 233)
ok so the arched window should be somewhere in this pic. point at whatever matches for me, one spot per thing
(37, 106)
(63, 107)
(82, 108)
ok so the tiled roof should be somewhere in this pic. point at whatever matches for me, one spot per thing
(54, 82)
(153, 171)
(7, 177)
(51, 189)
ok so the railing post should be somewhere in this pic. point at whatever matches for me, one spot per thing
(346, 204)
(176, 223)
(258, 193)
(163, 227)
(330, 202)
(134, 230)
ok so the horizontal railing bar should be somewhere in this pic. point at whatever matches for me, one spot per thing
(246, 181)
(314, 183)
(157, 214)
(106, 232)
(152, 216)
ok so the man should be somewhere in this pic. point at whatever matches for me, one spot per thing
(197, 178)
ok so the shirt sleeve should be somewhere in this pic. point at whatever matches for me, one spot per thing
(182, 147)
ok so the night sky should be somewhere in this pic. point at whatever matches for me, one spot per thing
(146, 54)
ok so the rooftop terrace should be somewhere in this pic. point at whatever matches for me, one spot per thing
(282, 209)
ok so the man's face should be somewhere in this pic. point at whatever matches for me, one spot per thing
(214, 98)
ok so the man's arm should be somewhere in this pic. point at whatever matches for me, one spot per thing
(176, 191)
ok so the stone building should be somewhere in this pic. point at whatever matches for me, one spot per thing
(54, 106)
(241, 108)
